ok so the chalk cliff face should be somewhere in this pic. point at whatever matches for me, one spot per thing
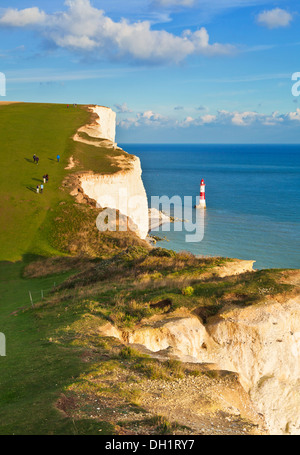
(260, 342)
(106, 122)
(104, 126)
(124, 190)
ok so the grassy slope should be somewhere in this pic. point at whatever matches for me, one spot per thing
(34, 371)
(26, 129)
(54, 350)
(46, 130)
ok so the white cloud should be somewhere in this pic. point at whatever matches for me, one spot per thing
(247, 118)
(199, 121)
(223, 117)
(188, 121)
(295, 115)
(22, 18)
(150, 116)
(167, 3)
(244, 118)
(122, 108)
(84, 28)
(146, 118)
(208, 118)
(275, 18)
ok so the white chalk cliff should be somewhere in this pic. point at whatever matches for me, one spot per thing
(104, 126)
(260, 342)
(123, 190)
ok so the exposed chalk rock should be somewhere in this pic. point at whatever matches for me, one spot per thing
(235, 267)
(157, 218)
(123, 191)
(260, 342)
(104, 126)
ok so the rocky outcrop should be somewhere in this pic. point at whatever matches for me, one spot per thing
(259, 342)
(262, 343)
(157, 218)
(235, 267)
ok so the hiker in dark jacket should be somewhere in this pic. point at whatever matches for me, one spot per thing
(37, 160)
(34, 158)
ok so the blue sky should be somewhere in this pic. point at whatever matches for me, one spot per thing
(174, 70)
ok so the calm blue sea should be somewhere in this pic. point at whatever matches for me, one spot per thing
(252, 194)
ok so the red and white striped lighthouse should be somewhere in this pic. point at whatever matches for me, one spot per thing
(202, 201)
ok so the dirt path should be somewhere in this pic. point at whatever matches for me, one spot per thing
(206, 405)
(6, 103)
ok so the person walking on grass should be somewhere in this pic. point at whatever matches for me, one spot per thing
(44, 178)
(58, 158)
(47, 178)
(37, 189)
(42, 187)
(34, 158)
(37, 160)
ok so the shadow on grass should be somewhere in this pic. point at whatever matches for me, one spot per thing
(31, 188)
(37, 180)
(29, 160)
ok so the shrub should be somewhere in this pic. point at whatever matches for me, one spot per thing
(162, 252)
(188, 291)
(127, 353)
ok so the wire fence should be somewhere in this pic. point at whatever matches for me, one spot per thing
(37, 296)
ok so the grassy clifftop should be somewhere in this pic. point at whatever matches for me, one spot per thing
(25, 129)
(28, 219)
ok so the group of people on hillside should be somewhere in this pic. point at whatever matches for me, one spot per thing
(40, 188)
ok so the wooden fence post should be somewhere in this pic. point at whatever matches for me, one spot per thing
(30, 296)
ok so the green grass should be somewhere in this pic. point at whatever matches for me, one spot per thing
(25, 129)
(89, 160)
(35, 371)
(46, 130)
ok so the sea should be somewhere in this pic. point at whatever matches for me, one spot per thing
(252, 197)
